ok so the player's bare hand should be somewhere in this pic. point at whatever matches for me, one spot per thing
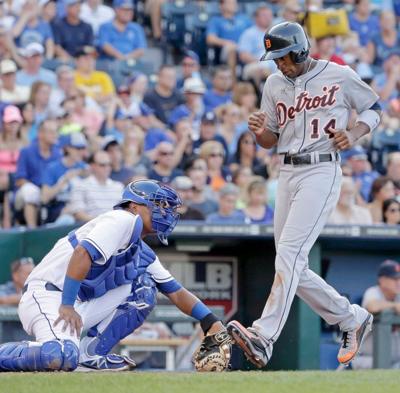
(341, 139)
(71, 318)
(256, 122)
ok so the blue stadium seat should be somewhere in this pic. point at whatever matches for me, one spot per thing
(382, 144)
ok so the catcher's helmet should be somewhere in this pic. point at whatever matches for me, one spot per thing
(162, 200)
(284, 38)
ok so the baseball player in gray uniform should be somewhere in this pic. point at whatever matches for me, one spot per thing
(305, 111)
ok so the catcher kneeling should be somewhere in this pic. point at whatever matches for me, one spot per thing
(102, 279)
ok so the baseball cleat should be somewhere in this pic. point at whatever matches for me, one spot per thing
(352, 341)
(110, 362)
(250, 342)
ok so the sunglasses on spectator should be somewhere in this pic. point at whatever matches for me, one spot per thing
(216, 155)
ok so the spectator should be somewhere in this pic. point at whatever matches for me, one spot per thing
(95, 13)
(8, 49)
(244, 96)
(61, 175)
(11, 139)
(65, 87)
(97, 193)
(164, 97)
(184, 143)
(246, 155)
(382, 189)
(231, 125)
(251, 47)
(28, 117)
(220, 93)
(213, 153)
(384, 42)
(164, 169)
(95, 84)
(122, 39)
(49, 11)
(393, 168)
(5, 211)
(257, 209)
(11, 292)
(325, 48)
(11, 92)
(193, 108)
(362, 173)
(363, 22)
(347, 212)
(70, 32)
(384, 296)
(387, 83)
(89, 118)
(32, 164)
(30, 27)
(241, 177)
(209, 132)
(291, 12)
(138, 85)
(184, 187)
(224, 31)
(391, 211)
(190, 67)
(119, 172)
(133, 151)
(7, 20)
(203, 198)
(32, 70)
(39, 98)
(227, 212)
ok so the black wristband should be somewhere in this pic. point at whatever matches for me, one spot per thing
(208, 321)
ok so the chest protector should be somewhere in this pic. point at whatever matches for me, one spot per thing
(120, 269)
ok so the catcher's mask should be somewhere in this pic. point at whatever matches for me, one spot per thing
(163, 202)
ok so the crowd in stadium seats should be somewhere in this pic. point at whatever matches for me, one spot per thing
(96, 94)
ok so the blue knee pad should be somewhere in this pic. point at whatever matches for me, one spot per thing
(33, 356)
(127, 318)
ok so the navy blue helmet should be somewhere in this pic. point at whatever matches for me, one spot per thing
(163, 202)
(284, 38)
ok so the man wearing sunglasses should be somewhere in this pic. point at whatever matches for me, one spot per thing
(102, 278)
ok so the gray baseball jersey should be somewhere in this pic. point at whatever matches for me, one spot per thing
(302, 110)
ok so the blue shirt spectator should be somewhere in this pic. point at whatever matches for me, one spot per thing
(382, 50)
(32, 164)
(228, 28)
(70, 32)
(39, 33)
(364, 27)
(122, 39)
(213, 99)
(221, 92)
(236, 217)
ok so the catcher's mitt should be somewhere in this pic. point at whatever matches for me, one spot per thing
(214, 352)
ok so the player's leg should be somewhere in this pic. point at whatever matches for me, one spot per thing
(52, 350)
(125, 309)
(315, 190)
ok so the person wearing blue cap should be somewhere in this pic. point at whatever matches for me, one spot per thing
(362, 173)
(60, 174)
(122, 39)
(382, 297)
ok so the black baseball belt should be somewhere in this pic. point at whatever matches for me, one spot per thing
(310, 158)
(48, 287)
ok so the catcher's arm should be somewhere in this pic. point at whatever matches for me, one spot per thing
(191, 305)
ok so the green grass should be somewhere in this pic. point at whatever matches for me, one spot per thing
(372, 381)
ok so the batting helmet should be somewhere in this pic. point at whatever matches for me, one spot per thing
(284, 38)
(162, 201)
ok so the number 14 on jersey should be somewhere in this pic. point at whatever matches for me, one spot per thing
(315, 128)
